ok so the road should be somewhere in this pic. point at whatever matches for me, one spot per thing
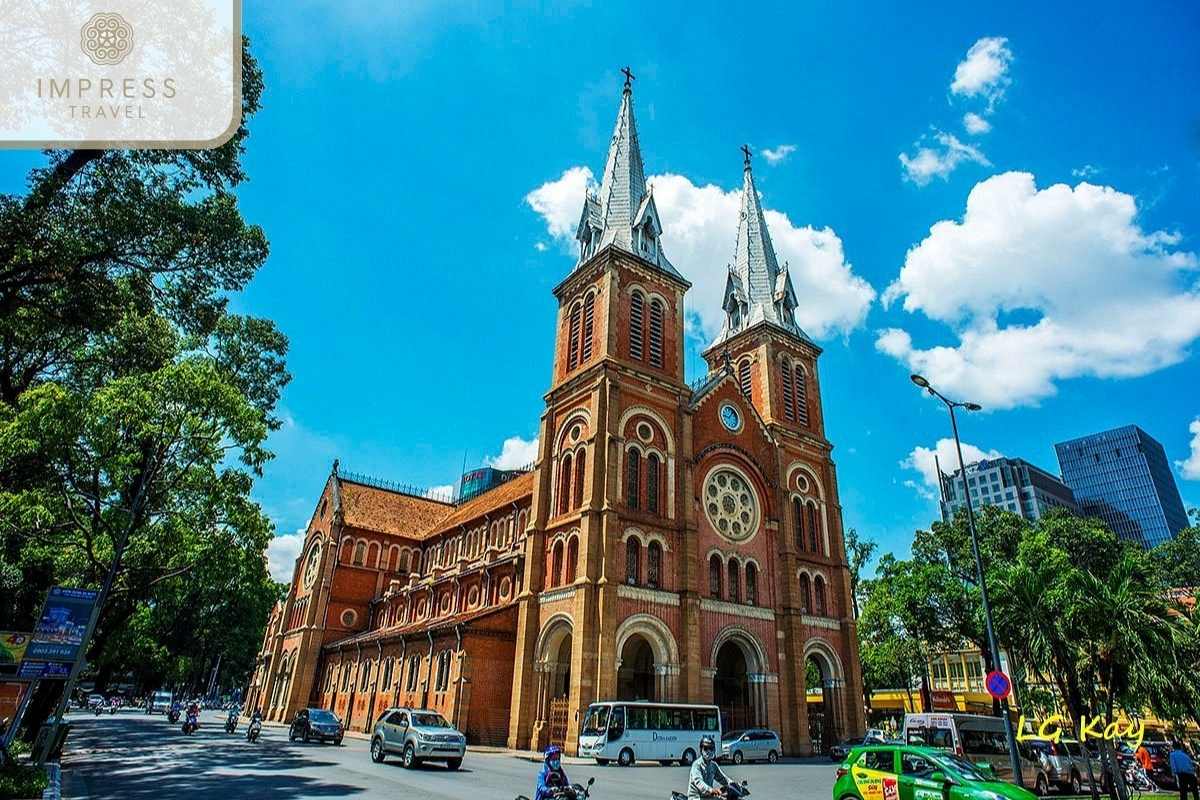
(131, 756)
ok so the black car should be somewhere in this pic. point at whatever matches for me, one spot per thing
(316, 723)
(839, 751)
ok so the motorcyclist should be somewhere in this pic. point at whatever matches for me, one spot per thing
(552, 775)
(257, 715)
(706, 774)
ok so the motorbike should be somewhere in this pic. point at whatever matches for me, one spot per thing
(231, 721)
(173, 716)
(577, 791)
(191, 723)
(98, 708)
(254, 730)
(734, 791)
(1136, 778)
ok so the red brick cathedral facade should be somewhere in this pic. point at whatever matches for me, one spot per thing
(672, 542)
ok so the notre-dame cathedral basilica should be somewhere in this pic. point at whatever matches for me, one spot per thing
(671, 542)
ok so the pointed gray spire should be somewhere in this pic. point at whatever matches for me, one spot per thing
(623, 213)
(757, 291)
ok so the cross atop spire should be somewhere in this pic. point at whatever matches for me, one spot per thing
(628, 79)
(746, 150)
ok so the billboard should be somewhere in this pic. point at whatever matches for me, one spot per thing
(12, 650)
(63, 623)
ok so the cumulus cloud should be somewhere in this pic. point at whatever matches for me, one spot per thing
(780, 153)
(975, 124)
(515, 453)
(926, 461)
(1190, 468)
(1039, 286)
(984, 72)
(1085, 172)
(700, 234)
(939, 160)
(560, 202)
(444, 493)
(282, 553)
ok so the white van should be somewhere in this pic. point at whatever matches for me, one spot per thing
(160, 703)
(975, 737)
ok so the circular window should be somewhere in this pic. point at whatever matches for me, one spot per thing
(644, 432)
(473, 596)
(349, 617)
(802, 483)
(445, 603)
(421, 609)
(730, 503)
(310, 566)
(576, 432)
(505, 588)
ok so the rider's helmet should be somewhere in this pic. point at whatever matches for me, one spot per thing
(708, 747)
(553, 753)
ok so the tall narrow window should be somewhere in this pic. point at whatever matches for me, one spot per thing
(580, 463)
(633, 478)
(572, 559)
(744, 377)
(798, 523)
(801, 398)
(814, 532)
(653, 564)
(819, 595)
(365, 682)
(360, 551)
(751, 584)
(734, 582)
(633, 557)
(573, 342)
(556, 566)
(714, 577)
(656, 334)
(589, 314)
(414, 668)
(564, 485)
(805, 595)
(442, 682)
(652, 483)
(637, 313)
(788, 412)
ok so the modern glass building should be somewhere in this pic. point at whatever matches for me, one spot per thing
(1123, 477)
(1009, 483)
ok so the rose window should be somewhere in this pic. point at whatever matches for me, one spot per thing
(730, 504)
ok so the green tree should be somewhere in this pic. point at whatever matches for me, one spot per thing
(858, 551)
(1178, 559)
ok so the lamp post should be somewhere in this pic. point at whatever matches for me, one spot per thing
(987, 611)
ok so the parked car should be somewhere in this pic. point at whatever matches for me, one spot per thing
(755, 744)
(1160, 769)
(842, 749)
(95, 700)
(316, 723)
(873, 772)
(1057, 765)
(417, 735)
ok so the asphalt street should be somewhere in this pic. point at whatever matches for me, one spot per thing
(132, 756)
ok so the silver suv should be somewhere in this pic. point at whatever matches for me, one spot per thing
(417, 735)
(756, 744)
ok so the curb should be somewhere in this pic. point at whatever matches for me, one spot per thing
(54, 789)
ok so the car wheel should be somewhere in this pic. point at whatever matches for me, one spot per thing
(772, 757)
(337, 742)
(453, 763)
(1041, 787)
(410, 756)
(306, 736)
(688, 757)
(602, 762)
(625, 758)
(738, 758)
(1076, 783)
(377, 752)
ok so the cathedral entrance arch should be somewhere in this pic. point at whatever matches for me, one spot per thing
(553, 670)
(739, 664)
(636, 674)
(647, 660)
(823, 679)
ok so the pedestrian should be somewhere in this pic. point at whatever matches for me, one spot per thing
(1184, 771)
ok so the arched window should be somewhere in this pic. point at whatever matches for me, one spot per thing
(788, 410)
(556, 569)
(813, 529)
(329, 678)
(652, 483)
(819, 595)
(734, 582)
(656, 334)
(564, 485)
(801, 397)
(633, 473)
(572, 558)
(364, 682)
(346, 677)
(442, 682)
(653, 564)
(633, 557)
(714, 577)
(414, 668)
(805, 595)
(798, 523)
(751, 584)
(580, 464)
(573, 343)
(360, 552)
(744, 377)
(589, 313)
(637, 314)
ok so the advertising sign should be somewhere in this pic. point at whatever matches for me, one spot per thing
(11, 693)
(38, 670)
(64, 621)
(12, 650)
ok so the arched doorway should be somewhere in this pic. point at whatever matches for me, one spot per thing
(636, 673)
(561, 669)
(553, 671)
(821, 682)
(731, 687)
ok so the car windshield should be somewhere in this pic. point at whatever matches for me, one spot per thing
(323, 717)
(732, 735)
(964, 768)
(596, 722)
(430, 720)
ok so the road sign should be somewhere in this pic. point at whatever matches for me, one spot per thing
(998, 685)
(59, 632)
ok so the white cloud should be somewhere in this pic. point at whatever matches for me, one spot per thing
(446, 492)
(975, 124)
(282, 553)
(700, 234)
(540, 247)
(1190, 468)
(1041, 286)
(780, 153)
(930, 162)
(984, 71)
(926, 461)
(560, 202)
(1085, 172)
(515, 453)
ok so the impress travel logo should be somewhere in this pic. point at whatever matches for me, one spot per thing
(120, 73)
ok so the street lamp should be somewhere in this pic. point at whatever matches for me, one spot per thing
(987, 611)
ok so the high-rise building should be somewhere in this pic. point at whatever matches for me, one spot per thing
(1009, 483)
(1123, 477)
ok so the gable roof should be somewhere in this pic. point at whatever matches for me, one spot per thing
(389, 511)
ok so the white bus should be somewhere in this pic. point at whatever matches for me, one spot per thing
(625, 731)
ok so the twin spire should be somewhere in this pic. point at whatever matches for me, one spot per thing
(623, 214)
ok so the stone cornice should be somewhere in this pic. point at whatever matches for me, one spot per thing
(736, 609)
(656, 596)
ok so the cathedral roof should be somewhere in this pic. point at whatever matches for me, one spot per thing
(387, 511)
(420, 626)
(757, 290)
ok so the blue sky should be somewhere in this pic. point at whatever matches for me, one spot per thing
(1001, 196)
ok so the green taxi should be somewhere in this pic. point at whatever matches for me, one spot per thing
(901, 772)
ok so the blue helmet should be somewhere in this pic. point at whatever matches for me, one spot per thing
(553, 751)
